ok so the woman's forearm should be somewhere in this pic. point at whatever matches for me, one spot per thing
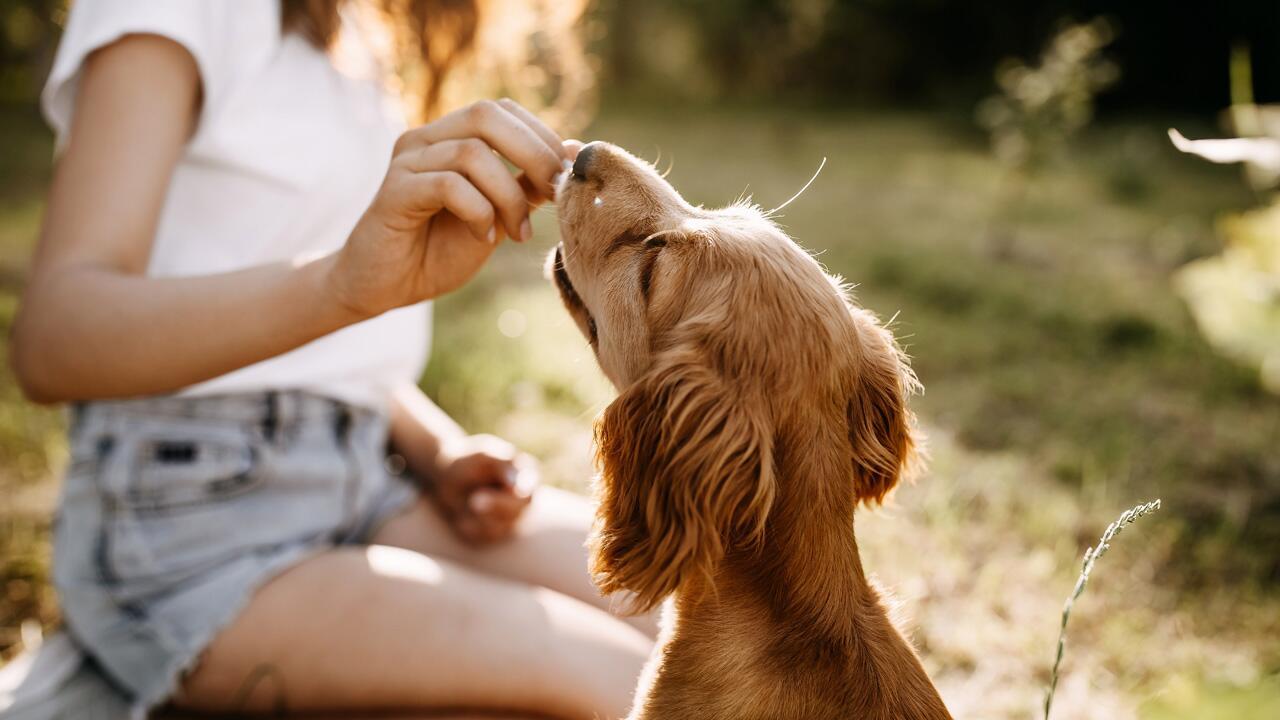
(92, 325)
(88, 332)
(420, 430)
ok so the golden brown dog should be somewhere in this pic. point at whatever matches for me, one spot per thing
(758, 407)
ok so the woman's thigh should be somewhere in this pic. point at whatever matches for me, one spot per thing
(387, 628)
(549, 548)
(393, 715)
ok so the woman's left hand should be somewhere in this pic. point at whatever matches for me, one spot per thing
(482, 487)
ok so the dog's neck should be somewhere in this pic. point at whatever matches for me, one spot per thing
(801, 604)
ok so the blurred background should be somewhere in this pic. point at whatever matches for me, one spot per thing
(1095, 316)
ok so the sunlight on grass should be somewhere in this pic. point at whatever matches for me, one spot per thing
(1194, 701)
(1063, 382)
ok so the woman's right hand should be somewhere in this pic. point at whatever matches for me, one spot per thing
(446, 201)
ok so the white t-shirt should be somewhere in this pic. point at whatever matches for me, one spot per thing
(287, 154)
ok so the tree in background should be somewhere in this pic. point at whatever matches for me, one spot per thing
(1037, 111)
(1040, 107)
(915, 52)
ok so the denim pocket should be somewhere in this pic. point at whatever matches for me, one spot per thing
(165, 467)
(175, 474)
(173, 498)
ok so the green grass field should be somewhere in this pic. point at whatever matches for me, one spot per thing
(1064, 382)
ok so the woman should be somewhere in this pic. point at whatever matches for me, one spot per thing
(230, 287)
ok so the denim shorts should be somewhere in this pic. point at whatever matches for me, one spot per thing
(175, 509)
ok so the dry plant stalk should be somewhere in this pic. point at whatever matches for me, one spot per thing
(1090, 557)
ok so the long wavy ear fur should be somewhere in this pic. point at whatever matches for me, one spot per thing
(881, 427)
(686, 472)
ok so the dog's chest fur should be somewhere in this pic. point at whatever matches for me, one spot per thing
(743, 652)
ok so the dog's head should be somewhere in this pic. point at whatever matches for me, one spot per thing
(730, 347)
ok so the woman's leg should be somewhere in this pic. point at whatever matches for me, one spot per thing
(549, 548)
(423, 715)
(388, 628)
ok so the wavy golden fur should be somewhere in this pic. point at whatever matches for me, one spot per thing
(758, 408)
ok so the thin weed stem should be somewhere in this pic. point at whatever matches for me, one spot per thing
(1090, 558)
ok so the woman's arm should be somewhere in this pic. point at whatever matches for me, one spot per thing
(93, 326)
(422, 433)
(481, 484)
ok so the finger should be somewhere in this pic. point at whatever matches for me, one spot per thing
(488, 121)
(486, 534)
(533, 195)
(524, 477)
(570, 149)
(476, 161)
(431, 192)
(475, 525)
(470, 529)
(551, 137)
(496, 512)
(494, 504)
(481, 473)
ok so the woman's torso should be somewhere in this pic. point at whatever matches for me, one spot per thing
(287, 154)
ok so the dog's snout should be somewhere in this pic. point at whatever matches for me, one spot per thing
(582, 165)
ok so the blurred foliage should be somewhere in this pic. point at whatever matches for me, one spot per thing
(1039, 107)
(841, 52)
(1190, 701)
(935, 52)
(1235, 295)
(32, 448)
(28, 36)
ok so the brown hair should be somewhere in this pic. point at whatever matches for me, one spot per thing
(528, 49)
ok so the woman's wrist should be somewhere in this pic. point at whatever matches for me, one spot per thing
(427, 438)
(434, 466)
(332, 295)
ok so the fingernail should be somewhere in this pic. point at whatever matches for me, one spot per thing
(526, 231)
(492, 236)
(480, 502)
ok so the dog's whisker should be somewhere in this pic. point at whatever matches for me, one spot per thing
(593, 410)
(800, 191)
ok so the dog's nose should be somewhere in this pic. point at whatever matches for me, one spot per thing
(582, 164)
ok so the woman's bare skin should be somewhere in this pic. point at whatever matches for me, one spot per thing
(421, 620)
(386, 627)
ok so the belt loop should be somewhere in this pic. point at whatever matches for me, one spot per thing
(271, 415)
(341, 421)
(77, 419)
(75, 412)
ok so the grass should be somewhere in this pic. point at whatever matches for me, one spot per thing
(31, 442)
(1064, 382)
(1091, 556)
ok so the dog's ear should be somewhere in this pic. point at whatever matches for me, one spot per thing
(686, 474)
(881, 427)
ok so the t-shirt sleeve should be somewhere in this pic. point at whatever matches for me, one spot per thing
(222, 37)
